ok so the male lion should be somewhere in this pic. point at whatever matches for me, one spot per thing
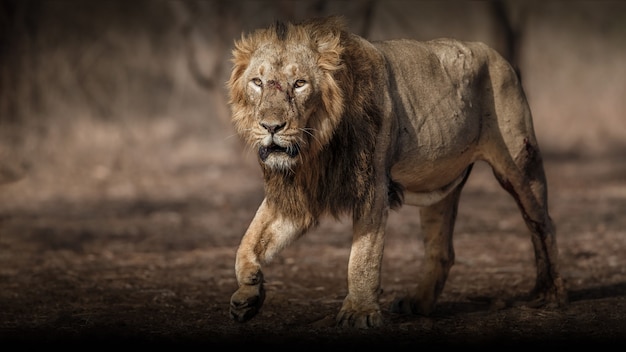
(344, 125)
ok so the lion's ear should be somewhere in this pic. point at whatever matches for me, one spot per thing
(326, 34)
(330, 49)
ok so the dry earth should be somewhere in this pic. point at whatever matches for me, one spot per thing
(159, 272)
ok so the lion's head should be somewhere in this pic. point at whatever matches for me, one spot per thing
(285, 98)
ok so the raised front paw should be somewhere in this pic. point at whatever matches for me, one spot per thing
(246, 302)
(359, 319)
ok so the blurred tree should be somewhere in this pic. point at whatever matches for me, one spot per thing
(18, 56)
(510, 21)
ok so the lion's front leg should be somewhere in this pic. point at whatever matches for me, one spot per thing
(360, 307)
(268, 233)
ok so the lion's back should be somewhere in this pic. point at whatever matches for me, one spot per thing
(434, 87)
(429, 61)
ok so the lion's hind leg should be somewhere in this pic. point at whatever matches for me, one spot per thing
(523, 177)
(437, 222)
(513, 152)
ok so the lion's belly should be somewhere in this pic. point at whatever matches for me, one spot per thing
(431, 196)
(435, 150)
(424, 175)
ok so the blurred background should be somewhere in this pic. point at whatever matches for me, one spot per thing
(122, 100)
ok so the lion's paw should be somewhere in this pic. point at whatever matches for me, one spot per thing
(551, 297)
(246, 302)
(410, 305)
(359, 319)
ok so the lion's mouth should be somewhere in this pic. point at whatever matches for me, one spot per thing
(265, 151)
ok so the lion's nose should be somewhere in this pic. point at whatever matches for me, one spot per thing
(273, 127)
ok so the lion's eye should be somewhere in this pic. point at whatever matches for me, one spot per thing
(257, 82)
(299, 83)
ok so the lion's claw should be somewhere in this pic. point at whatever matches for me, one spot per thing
(361, 320)
(246, 302)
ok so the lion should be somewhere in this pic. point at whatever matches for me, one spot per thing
(347, 126)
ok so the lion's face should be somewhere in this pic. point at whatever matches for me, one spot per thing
(282, 96)
(282, 87)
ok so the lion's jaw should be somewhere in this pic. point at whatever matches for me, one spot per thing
(278, 152)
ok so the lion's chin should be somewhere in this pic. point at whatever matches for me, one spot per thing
(277, 157)
(276, 150)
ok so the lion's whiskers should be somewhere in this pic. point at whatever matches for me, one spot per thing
(230, 136)
(308, 131)
(300, 158)
(247, 149)
(237, 133)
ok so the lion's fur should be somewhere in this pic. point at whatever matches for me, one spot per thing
(344, 125)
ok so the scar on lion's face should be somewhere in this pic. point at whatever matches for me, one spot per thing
(274, 84)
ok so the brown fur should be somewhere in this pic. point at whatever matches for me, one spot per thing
(343, 125)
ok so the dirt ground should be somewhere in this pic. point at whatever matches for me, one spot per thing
(159, 271)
